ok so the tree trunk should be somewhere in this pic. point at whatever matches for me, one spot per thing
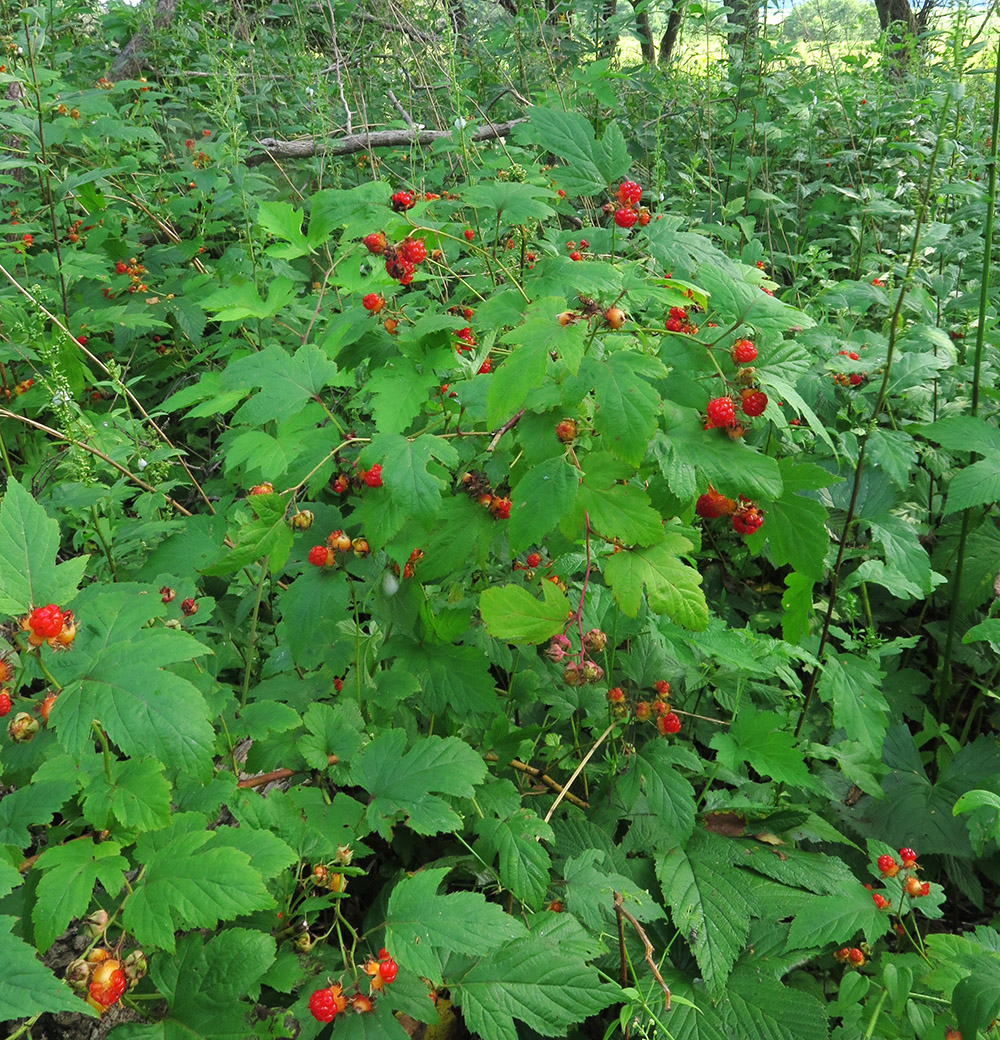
(669, 38)
(130, 60)
(645, 33)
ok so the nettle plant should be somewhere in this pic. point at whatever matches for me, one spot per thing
(425, 709)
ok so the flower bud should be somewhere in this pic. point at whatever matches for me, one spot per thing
(302, 521)
(594, 641)
(96, 923)
(135, 966)
(78, 975)
(22, 728)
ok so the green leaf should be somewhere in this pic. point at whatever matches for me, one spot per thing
(731, 467)
(282, 220)
(331, 730)
(543, 980)
(976, 998)
(669, 796)
(611, 154)
(539, 500)
(140, 797)
(306, 608)
(672, 587)
(206, 986)
(796, 526)
(287, 382)
(414, 491)
(401, 390)
(29, 541)
(511, 202)
(621, 512)
(516, 839)
(964, 433)
(837, 919)
(451, 678)
(708, 907)
(31, 806)
(267, 534)
(405, 782)
(191, 881)
(27, 987)
(120, 677)
(591, 886)
(853, 684)
(759, 739)
(764, 1009)
(239, 302)
(423, 928)
(570, 137)
(975, 485)
(511, 613)
(65, 890)
(627, 406)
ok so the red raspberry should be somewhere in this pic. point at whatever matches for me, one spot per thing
(500, 508)
(469, 234)
(375, 243)
(373, 302)
(855, 378)
(4, 702)
(744, 352)
(643, 217)
(668, 724)
(880, 901)
(662, 687)
(909, 858)
(887, 865)
(402, 201)
(629, 193)
(616, 695)
(107, 985)
(387, 968)
(643, 710)
(373, 476)
(533, 559)
(340, 484)
(485, 366)
(82, 340)
(28, 240)
(46, 622)
(120, 268)
(747, 520)
(188, 607)
(325, 1004)
(575, 255)
(753, 402)
(849, 353)
(855, 956)
(625, 218)
(712, 504)
(584, 244)
(720, 412)
(320, 556)
(401, 269)
(413, 249)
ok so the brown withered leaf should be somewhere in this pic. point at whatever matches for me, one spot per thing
(728, 824)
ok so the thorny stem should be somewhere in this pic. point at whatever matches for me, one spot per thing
(586, 581)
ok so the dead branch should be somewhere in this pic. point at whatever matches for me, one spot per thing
(621, 912)
(129, 62)
(305, 147)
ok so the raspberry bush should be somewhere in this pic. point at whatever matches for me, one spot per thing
(522, 584)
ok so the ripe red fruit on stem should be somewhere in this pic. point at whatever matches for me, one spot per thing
(744, 352)
(720, 412)
(668, 724)
(887, 865)
(372, 477)
(325, 1004)
(626, 218)
(373, 302)
(4, 702)
(753, 402)
(908, 857)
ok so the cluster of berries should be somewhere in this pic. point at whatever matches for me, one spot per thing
(188, 606)
(746, 517)
(50, 624)
(851, 956)
(20, 388)
(326, 1004)
(849, 378)
(371, 477)
(410, 567)
(627, 212)
(461, 312)
(677, 321)
(101, 978)
(322, 876)
(73, 113)
(325, 555)
(583, 671)
(73, 234)
(575, 252)
(889, 868)
(478, 488)
(135, 271)
(532, 561)
(667, 721)
(401, 259)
